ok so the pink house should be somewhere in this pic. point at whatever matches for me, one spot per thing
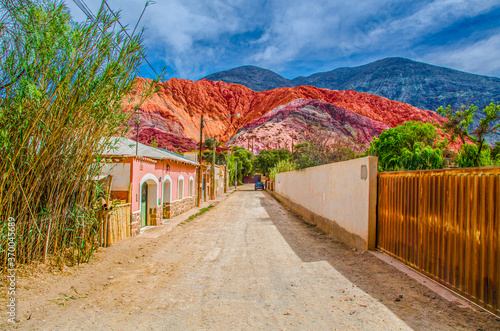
(157, 183)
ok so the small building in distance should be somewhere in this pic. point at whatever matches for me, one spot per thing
(220, 183)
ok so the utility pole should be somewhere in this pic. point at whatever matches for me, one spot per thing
(225, 178)
(212, 187)
(200, 182)
(137, 121)
(236, 176)
(200, 170)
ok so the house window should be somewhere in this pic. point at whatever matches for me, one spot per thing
(191, 186)
(180, 188)
(166, 191)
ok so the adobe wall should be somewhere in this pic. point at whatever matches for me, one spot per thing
(340, 198)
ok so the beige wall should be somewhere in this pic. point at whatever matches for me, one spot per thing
(191, 155)
(120, 173)
(336, 198)
(219, 180)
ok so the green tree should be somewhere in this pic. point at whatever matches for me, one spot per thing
(408, 146)
(207, 155)
(209, 143)
(467, 156)
(267, 159)
(153, 143)
(231, 165)
(422, 157)
(61, 90)
(458, 125)
(321, 146)
(239, 163)
(282, 166)
(495, 152)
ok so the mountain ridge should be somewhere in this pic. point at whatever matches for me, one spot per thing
(420, 84)
(284, 125)
(180, 115)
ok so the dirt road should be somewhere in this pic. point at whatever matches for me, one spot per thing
(246, 264)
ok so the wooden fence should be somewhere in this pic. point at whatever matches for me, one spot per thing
(115, 225)
(269, 185)
(445, 224)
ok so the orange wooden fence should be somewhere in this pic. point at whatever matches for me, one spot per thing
(445, 224)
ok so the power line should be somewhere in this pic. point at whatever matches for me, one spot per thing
(145, 59)
(83, 6)
(86, 10)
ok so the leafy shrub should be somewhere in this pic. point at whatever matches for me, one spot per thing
(282, 166)
(467, 156)
(408, 146)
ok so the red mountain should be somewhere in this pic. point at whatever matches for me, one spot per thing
(179, 114)
(284, 126)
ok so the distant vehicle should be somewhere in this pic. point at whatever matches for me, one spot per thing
(259, 185)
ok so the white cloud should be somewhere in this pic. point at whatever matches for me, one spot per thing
(196, 36)
(299, 27)
(351, 28)
(188, 32)
(431, 17)
(180, 23)
(480, 57)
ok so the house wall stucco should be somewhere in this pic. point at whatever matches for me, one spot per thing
(142, 171)
(219, 180)
(159, 170)
(336, 198)
(130, 173)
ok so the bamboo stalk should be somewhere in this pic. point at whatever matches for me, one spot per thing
(58, 117)
(47, 243)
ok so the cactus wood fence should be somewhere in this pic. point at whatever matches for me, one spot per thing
(115, 225)
(445, 224)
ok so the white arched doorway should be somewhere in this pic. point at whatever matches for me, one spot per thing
(167, 190)
(149, 198)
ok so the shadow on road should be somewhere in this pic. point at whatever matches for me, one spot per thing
(412, 302)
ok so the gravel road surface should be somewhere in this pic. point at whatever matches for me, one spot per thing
(247, 264)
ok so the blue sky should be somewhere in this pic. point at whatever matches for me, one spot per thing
(194, 38)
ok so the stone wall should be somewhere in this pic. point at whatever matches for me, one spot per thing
(155, 215)
(174, 208)
(135, 225)
(159, 215)
(167, 209)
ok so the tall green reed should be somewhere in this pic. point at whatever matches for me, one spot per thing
(61, 89)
